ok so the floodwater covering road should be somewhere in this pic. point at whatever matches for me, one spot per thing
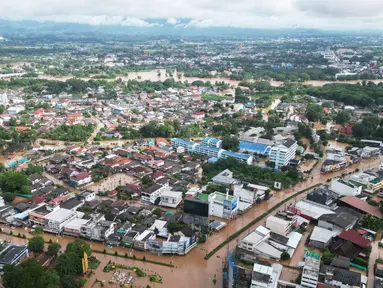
(192, 270)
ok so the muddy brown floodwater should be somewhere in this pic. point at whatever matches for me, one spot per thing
(192, 270)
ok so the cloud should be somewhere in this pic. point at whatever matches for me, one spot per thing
(172, 21)
(332, 14)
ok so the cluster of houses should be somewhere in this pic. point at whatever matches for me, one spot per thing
(333, 216)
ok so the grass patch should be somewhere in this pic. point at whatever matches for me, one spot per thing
(112, 266)
(214, 97)
(93, 264)
(253, 222)
(82, 282)
(155, 278)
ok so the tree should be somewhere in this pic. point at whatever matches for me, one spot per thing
(34, 169)
(342, 117)
(285, 256)
(13, 181)
(314, 112)
(53, 249)
(36, 244)
(69, 281)
(29, 274)
(8, 197)
(68, 264)
(38, 230)
(230, 143)
(359, 130)
(158, 212)
(78, 247)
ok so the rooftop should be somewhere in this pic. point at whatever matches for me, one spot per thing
(59, 215)
(361, 205)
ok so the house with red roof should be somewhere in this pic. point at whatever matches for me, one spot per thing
(346, 129)
(198, 116)
(38, 113)
(80, 179)
(157, 176)
(354, 237)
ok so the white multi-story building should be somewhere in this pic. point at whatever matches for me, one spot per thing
(279, 225)
(150, 195)
(282, 154)
(212, 142)
(249, 193)
(223, 205)
(310, 272)
(55, 221)
(209, 151)
(170, 198)
(265, 276)
(188, 145)
(97, 228)
(369, 183)
(344, 189)
(4, 99)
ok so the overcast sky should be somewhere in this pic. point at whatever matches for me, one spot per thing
(326, 14)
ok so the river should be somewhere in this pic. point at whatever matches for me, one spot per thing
(179, 76)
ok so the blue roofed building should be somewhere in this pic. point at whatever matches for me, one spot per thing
(257, 148)
(212, 142)
(189, 146)
(208, 151)
(239, 156)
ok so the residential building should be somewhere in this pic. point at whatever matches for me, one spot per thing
(310, 273)
(73, 227)
(223, 205)
(55, 221)
(343, 188)
(198, 116)
(249, 193)
(368, 182)
(97, 228)
(87, 196)
(343, 219)
(368, 152)
(152, 194)
(12, 255)
(80, 179)
(282, 154)
(321, 196)
(265, 275)
(281, 226)
(170, 198)
(224, 178)
(262, 243)
(320, 237)
(338, 277)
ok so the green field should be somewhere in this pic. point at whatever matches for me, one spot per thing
(214, 97)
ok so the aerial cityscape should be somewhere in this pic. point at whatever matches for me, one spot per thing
(148, 148)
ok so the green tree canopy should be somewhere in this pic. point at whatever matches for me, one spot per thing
(36, 244)
(53, 249)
